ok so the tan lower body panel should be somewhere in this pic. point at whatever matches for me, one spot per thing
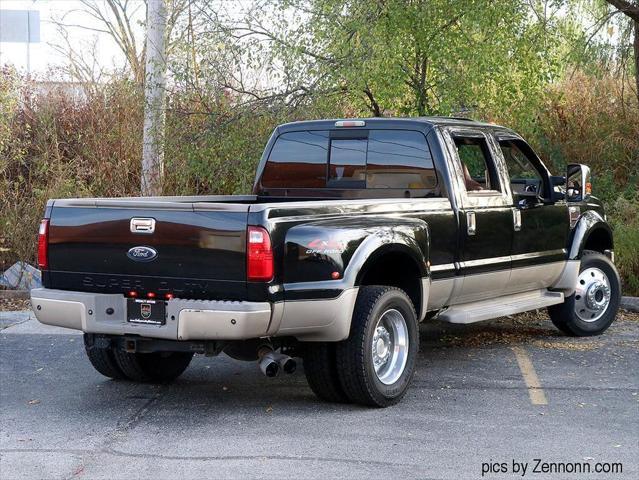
(319, 320)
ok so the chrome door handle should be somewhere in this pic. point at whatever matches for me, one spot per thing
(516, 219)
(471, 225)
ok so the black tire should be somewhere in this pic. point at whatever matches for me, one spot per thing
(564, 315)
(320, 368)
(152, 367)
(103, 360)
(355, 354)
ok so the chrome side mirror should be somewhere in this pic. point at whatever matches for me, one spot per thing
(578, 186)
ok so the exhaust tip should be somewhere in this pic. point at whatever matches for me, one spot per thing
(272, 369)
(269, 366)
(288, 365)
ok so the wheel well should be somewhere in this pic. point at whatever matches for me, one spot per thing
(395, 269)
(598, 240)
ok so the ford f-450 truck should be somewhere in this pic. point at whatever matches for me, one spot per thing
(357, 231)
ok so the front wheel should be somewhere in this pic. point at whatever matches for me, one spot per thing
(377, 361)
(593, 306)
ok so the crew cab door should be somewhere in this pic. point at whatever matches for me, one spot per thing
(541, 226)
(486, 217)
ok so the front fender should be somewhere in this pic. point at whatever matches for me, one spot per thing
(588, 222)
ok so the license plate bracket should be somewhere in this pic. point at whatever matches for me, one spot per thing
(147, 312)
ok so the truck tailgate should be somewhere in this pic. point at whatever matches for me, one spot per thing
(197, 249)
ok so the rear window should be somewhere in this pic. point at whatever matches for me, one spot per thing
(347, 163)
(376, 159)
(298, 160)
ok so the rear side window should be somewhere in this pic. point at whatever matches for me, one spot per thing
(399, 159)
(298, 160)
(476, 162)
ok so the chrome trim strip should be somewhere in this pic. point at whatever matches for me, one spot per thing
(545, 253)
(405, 204)
(522, 256)
(485, 261)
(442, 267)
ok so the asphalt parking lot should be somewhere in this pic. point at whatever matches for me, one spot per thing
(484, 396)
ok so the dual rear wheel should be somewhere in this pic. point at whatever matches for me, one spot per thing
(375, 365)
(139, 367)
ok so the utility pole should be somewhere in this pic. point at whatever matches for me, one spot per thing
(154, 99)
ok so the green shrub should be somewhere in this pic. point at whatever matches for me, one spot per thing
(594, 120)
(53, 145)
(624, 218)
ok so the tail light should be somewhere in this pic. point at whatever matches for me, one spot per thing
(259, 255)
(43, 245)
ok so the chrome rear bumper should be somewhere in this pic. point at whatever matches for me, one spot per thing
(185, 319)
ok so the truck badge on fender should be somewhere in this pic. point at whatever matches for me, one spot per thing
(325, 247)
(142, 254)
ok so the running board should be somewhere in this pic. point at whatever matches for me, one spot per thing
(500, 306)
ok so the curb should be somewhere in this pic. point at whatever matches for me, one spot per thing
(630, 304)
(15, 294)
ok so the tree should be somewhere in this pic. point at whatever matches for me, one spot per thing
(121, 19)
(407, 56)
(631, 10)
(154, 99)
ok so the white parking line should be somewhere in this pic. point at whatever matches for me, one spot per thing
(536, 393)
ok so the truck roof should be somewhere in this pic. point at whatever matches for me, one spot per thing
(389, 122)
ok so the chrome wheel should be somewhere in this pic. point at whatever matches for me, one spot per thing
(592, 295)
(390, 346)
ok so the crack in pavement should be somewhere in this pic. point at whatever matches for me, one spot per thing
(119, 453)
(88, 457)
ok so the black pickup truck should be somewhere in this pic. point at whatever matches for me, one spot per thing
(357, 231)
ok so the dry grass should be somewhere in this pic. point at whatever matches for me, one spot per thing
(529, 328)
(12, 305)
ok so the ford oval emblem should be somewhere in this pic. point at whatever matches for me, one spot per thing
(142, 254)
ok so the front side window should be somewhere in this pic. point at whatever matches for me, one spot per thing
(476, 162)
(297, 160)
(524, 176)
